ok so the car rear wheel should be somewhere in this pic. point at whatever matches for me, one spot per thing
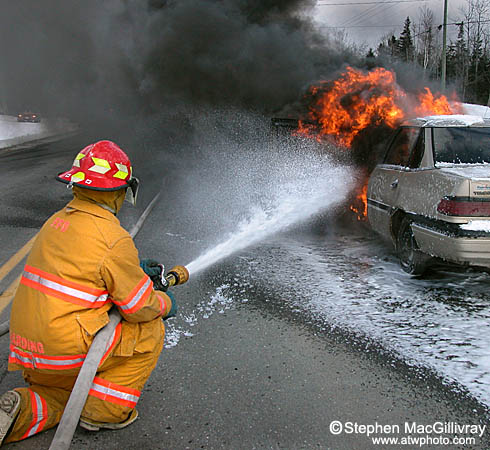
(412, 260)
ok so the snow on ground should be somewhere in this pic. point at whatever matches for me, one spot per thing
(16, 133)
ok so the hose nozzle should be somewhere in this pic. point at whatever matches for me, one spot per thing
(177, 275)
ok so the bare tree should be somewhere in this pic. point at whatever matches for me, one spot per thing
(425, 38)
(476, 20)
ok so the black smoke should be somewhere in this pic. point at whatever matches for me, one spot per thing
(116, 58)
(256, 54)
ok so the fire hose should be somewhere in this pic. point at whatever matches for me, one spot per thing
(68, 423)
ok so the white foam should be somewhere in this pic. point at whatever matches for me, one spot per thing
(219, 302)
(452, 120)
(476, 225)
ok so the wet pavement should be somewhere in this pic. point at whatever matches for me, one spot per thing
(315, 325)
(351, 281)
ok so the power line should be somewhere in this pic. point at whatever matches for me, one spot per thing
(369, 14)
(372, 2)
(355, 22)
(363, 26)
(464, 22)
(375, 9)
(357, 19)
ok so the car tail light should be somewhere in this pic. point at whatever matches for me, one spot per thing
(464, 206)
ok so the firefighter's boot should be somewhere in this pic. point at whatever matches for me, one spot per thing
(9, 409)
(93, 425)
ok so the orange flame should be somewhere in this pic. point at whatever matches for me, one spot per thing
(355, 101)
(342, 108)
(428, 104)
(359, 206)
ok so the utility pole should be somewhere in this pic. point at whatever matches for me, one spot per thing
(443, 56)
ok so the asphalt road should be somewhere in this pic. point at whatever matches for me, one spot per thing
(240, 371)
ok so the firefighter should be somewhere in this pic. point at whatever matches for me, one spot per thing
(82, 264)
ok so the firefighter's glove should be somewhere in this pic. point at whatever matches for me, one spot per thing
(156, 272)
(174, 309)
(151, 267)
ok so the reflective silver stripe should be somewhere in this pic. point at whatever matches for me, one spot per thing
(114, 393)
(36, 360)
(24, 359)
(137, 297)
(39, 415)
(64, 289)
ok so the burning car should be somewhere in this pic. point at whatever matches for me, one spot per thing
(28, 117)
(431, 194)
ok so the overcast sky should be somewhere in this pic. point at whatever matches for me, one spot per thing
(369, 23)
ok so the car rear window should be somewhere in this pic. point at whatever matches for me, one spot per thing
(461, 145)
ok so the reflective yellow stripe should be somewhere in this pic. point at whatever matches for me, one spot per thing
(122, 172)
(100, 165)
(76, 163)
(79, 176)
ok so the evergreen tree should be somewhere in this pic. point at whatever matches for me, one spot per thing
(387, 47)
(451, 62)
(383, 49)
(461, 60)
(393, 46)
(405, 48)
(474, 78)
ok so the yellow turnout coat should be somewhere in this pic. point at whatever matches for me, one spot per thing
(81, 264)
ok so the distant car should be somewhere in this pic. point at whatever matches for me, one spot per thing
(431, 195)
(28, 117)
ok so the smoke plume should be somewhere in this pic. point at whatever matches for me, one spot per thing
(100, 59)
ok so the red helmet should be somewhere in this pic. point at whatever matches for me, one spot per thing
(102, 166)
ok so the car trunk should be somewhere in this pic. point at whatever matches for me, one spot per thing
(478, 176)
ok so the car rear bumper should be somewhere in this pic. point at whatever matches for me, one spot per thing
(474, 251)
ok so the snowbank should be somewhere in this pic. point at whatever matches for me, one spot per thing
(15, 133)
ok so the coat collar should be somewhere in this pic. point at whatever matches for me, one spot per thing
(92, 208)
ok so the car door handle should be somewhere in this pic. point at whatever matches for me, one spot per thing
(394, 184)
